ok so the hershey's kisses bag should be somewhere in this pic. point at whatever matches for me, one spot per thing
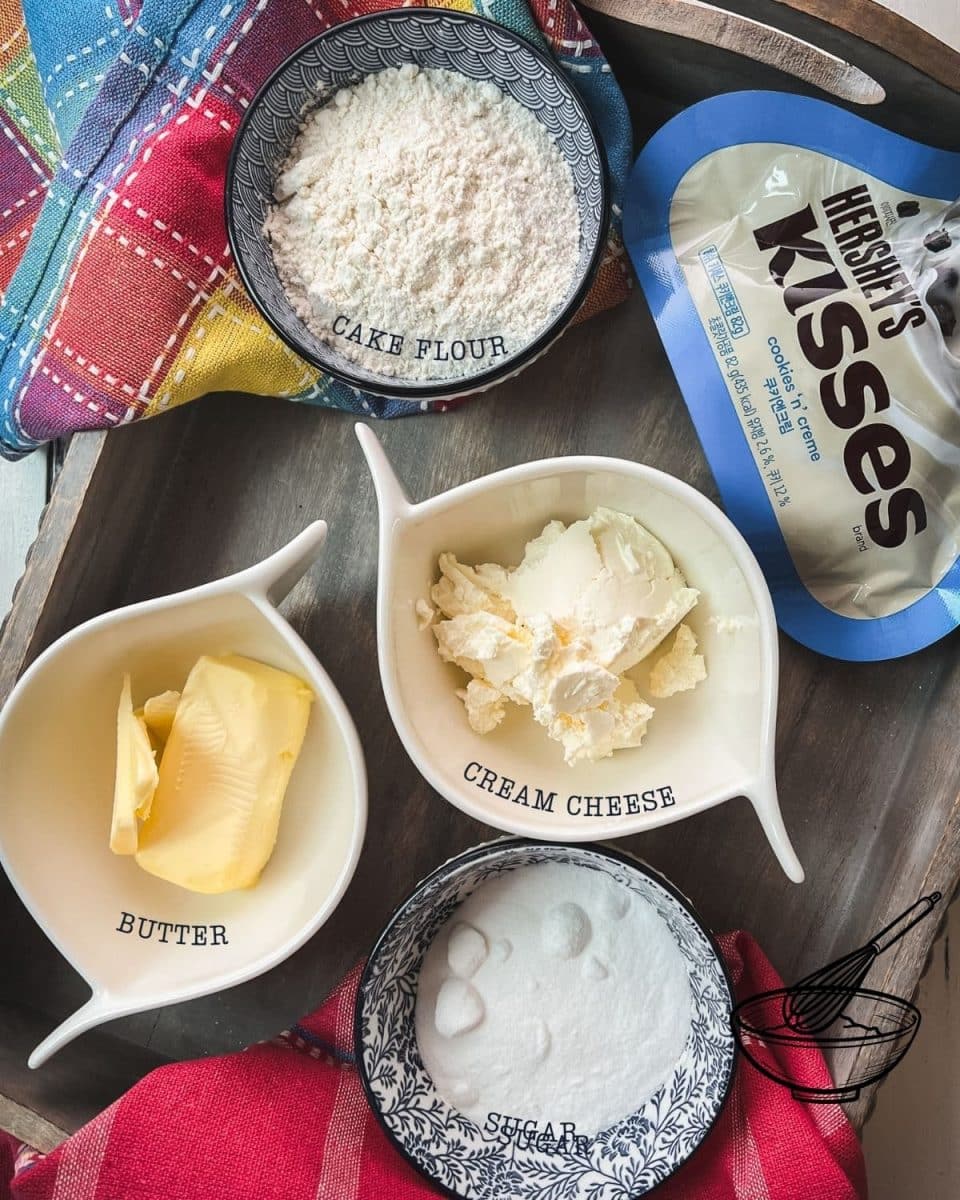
(803, 265)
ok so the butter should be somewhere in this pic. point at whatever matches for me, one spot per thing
(558, 633)
(235, 736)
(158, 713)
(136, 776)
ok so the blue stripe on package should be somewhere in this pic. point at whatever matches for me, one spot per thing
(803, 268)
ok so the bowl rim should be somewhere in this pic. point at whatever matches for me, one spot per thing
(404, 390)
(477, 852)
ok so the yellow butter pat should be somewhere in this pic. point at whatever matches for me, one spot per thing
(136, 778)
(235, 738)
(158, 713)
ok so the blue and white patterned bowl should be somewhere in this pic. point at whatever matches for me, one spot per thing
(340, 58)
(621, 1163)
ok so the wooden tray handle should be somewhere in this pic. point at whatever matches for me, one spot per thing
(713, 26)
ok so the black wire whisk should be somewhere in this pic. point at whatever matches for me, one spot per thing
(814, 1002)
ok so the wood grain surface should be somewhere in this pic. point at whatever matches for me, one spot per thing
(867, 760)
(867, 754)
(23, 492)
(937, 18)
(757, 42)
(890, 28)
(912, 1141)
(661, 72)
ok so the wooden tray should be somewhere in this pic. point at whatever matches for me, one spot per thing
(867, 753)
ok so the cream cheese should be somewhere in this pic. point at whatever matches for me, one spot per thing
(588, 603)
(681, 668)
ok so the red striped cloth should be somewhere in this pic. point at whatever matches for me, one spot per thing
(286, 1120)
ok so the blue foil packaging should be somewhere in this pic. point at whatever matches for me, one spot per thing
(803, 269)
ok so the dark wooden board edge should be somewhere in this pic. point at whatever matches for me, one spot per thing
(44, 559)
(661, 72)
(908, 968)
(96, 502)
(29, 1127)
(919, 104)
(43, 1107)
(887, 30)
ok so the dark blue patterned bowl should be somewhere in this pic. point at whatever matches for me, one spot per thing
(622, 1162)
(341, 57)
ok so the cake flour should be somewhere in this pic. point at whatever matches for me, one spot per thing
(555, 994)
(426, 224)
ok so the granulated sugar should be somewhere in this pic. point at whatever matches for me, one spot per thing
(553, 993)
(426, 224)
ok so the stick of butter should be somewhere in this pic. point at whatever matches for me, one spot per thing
(236, 734)
(136, 779)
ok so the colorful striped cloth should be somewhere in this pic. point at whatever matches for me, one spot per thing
(119, 297)
(287, 1120)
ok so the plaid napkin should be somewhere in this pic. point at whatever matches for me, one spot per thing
(287, 1120)
(119, 298)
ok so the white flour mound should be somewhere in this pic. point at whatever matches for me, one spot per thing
(555, 994)
(432, 210)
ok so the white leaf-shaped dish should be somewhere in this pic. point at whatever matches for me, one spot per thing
(138, 941)
(702, 747)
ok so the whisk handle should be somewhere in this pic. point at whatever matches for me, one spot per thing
(906, 921)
